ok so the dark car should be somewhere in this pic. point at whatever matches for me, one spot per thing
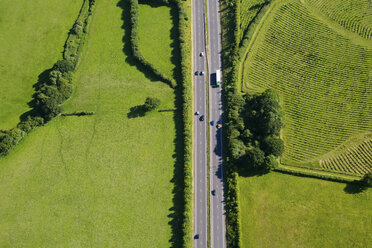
(196, 236)
(196, 73)
(212, 123)
(213, 192)
(201, 118)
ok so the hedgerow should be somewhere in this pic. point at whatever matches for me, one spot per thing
(53, 90)
(134, 45)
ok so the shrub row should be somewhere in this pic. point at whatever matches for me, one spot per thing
(230, 63)
(332, 178)
(184, 40)
(134, 44)
(53, 89)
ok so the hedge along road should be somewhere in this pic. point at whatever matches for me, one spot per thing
(200, 129)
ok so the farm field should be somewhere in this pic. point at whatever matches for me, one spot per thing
(280, 210)
(101, 180)
(31, 40)
(154, 43)
(323, 74)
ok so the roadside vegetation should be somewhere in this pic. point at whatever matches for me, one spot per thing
(31, 41)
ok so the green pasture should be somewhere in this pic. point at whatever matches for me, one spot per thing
(32, 39)
(103, 180)
(155, 44)
(286, 211)
(323, 77)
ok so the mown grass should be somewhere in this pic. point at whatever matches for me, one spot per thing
(285, 211)
(31, 40)
(154, 43)
(97, 181)
(323, 79)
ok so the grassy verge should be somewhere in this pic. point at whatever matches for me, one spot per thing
(31, 40)
(285, 211)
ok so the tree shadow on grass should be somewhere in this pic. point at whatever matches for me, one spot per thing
(355, 187)
(248, 172)
(176, 211)
(136, 111)
(43, 77)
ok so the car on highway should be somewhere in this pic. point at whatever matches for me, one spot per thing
(196, 73)
(201, 73)
(201, 118)
(219, 126)
(196, 236)
(213, 192)
(212, 123)
(197, 113)
(201, 54)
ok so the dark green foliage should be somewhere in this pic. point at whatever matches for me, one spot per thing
(263, 113)
(273, 145)
(151, 103)
(237, 148)
(64, 88)
(9, 139)
(254, 158)
(78, 28)
(367, 179)
(30, 123)
(63, 65)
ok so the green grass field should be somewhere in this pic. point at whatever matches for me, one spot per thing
(31, 40)
(102, 180)
(154, 43)
(323, 74)
(285, 211)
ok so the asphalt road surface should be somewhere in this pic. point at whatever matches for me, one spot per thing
(200, 129)
(217, 207)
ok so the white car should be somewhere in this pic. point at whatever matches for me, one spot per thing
(201, 54)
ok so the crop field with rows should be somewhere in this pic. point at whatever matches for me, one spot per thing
(324, 79)
(356, 159)
(248, 11)
(355, 16)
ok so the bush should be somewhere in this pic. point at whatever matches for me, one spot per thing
(273, 145)
(30, 123)
(9, 139)
(367, 179)
(151, 103)
(64, 65)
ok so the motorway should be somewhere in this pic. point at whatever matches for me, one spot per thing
(217, 207)
(201, 189)
(200, 129)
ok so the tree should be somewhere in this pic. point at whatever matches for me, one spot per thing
(270, 163)
(273, 145)
(367, 179)
(254, 158)
(151, 104)
(63, 66)
(237, 148)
